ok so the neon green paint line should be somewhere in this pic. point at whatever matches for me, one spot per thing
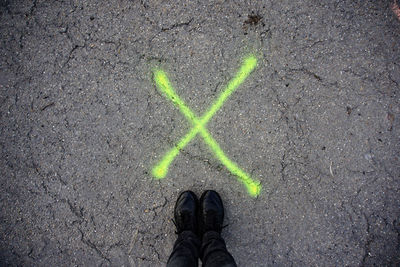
(163, 84)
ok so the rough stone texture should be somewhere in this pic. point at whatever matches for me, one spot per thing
(82, 124)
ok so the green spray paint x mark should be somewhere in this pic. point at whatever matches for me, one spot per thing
(163, 84)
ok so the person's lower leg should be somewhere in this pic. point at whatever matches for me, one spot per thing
(187, 246)
(213, 248)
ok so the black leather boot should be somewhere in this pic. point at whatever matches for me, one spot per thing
(211, 215)
(185, 212)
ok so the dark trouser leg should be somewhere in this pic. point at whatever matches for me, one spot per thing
(214, 252)
(186, 251)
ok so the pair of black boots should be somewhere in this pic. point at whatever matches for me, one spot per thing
(190, 215)
(199, 225)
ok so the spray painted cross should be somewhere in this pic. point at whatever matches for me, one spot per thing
(160, 170)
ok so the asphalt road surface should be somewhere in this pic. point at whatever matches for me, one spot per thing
(82, 124)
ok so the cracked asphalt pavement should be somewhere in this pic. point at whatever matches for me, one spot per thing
(82, 124)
